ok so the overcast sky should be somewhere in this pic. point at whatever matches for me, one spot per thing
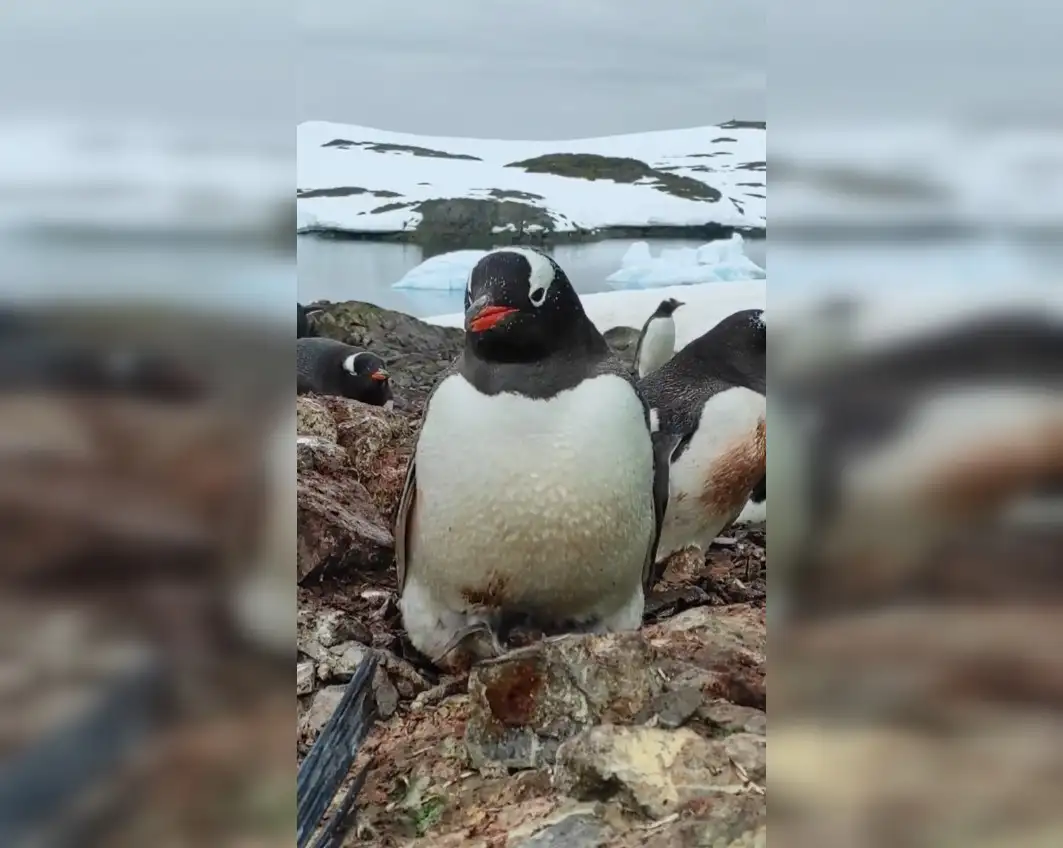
(543, 69)
(536, 68)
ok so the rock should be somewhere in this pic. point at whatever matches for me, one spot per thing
(304, 678)
(524, 704)
(660, 772)
(339, 527)
(315, 453)
(721, 650)
(345, 660)
(579, 826)
(379, 443)
(623, 341)
(672, 708)
(416, 353)
(723, 717)
(322, 705)
(314, 419)
(334, 627)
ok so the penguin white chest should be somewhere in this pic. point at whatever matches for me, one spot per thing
(658, 345)
(711, 481)
(533, 503)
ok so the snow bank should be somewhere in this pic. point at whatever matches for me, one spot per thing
(717, 261)
(360, 179)
(705, 306)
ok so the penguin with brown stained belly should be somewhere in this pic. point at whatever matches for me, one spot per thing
(710, 400)
(534, 494)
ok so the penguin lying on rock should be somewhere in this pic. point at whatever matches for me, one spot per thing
(534, 495)
(330, 367)
(711, 406)
(656, 344)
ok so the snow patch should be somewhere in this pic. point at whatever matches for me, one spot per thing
(360, 179)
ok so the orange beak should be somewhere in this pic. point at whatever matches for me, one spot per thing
(379, 376)
(487, 317)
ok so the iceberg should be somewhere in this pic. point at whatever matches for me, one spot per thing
(445, 272)
(717, 261)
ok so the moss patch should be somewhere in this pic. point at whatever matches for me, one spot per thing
(412, 149)
(343, 191)
(466, 220)
(590, 166)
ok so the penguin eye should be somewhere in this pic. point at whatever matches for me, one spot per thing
(537, 296)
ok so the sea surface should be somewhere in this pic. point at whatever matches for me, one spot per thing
(337, 269)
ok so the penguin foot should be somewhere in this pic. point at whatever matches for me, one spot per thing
(468, 646)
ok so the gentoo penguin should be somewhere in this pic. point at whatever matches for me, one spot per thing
(304, 321)
(711, 407)
(656, 343)
(329, 367)
(534, 494)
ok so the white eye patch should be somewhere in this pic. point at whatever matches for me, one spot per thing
(542, 274)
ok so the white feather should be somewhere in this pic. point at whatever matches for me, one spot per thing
(727, 420)
(546, 503)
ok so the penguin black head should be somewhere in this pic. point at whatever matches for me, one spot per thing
(666, 307)
(365, 378)
(520, 306)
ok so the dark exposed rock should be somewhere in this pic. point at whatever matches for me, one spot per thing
(591, 166)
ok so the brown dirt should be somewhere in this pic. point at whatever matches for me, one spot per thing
(420, 788)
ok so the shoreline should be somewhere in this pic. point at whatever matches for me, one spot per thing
(435, 243)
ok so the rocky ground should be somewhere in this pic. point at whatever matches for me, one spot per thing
(648, 738)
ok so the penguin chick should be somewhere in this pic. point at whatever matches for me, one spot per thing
(534, 490)
(656, 344)
(711, 404)
(329, 367)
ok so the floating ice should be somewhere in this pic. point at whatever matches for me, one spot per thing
(445, 272)
(717, 261)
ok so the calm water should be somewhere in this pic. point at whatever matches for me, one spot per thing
(331, 269)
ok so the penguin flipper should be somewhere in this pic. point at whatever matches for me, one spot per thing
(408, 500)
(403, 517)
(661, 454)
